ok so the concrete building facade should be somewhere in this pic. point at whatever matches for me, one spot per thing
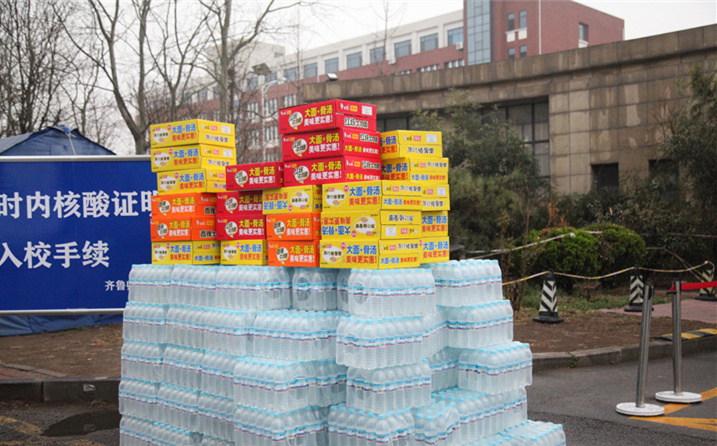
(595, 114)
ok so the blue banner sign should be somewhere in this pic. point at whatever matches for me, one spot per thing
(71, 228)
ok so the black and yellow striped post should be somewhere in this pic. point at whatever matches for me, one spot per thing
(548, 313)
(708, 275)
(637, 290)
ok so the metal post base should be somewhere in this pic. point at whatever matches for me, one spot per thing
(634, 309)
(548, 319)
(707, 298)
(682, 397)
(647, 410)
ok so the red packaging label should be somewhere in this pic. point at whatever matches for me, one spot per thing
(239, 203)
(327, 115)
(334, 142)
(241, 227)
(331, 170)
(255, 176)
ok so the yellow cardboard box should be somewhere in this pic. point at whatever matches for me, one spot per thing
(244, 252)
(297, 199)
(194, 131)
(401, 203)
(410, 143)
(368, 196)
(435, 249)
(366, 225)
(392, 187)
(436, 197)
(364, 254)
(434, 223)
(406, 246)
(416, 169)
(185, 253)
(400, 217)
(192, 180)
(191, 157)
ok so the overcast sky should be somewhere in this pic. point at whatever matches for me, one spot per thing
(642, 17)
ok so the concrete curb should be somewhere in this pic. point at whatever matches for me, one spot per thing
(66, 389)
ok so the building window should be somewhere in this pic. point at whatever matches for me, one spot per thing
(311, 70)
(252, 83)
(511, 53)
(288, 100)
(584, 32)
(455, 36)
(511, 21)
(331, 65)
(216, 115)
(353, 60)
(453, 64)
(271, 77)
(277, 55)
(187, 98)
(215, 92)
(377, 54)
(270, 107)
(291, 74)
(606, 177)
(429, 42)
(667, 175)
(530, 123)
(429, 68)
(252, 111)
(271, 134)
(401, 73)
(203, 95)
(253, 137)
(523, 18)
(401, 49)
(523, 51)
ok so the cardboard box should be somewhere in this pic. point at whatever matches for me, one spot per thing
(392, 187)
(366, 225)
(189, 181)
(367, 195)
(286, 200)
(434, 223)
(185, 253)
(239, 203)
(191, 157)
(184, 205)
(436, 197)
(416, 169)
(410, 143)
(406, 246)
(329, 143)
(182, 229)
(305, 226)
(194, 131)
(241, 227)
(327, 115)
(244, 252)
(255, 176)
(293, 253)
(400, 217)
(366, 254)
(331, 170)
(435, 249)
(393, 202)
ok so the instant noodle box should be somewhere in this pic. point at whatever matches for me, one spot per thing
(195, 131)
(305, 226)
(410, 143)
(416, 169)
(434, 223)
(188, 181)
(241, 227)
(436, 197)
(407, 246)
(191, 157)
(298, 199)
(327, 115)
(390, 187)
(244, 252)
(185, 253)
(182, 229)
(328, 143)
(255, 176)
(184, 205)
(365, 254)
(365, 225)
(293, 253)
(400, 217)
(369, 195)
(435, 249)
(239, 203)
(331, 170)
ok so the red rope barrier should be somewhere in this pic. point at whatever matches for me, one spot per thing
(695, 286)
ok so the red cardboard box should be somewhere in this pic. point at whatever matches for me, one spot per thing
(241, 227)
(305, 226)
(334, 142)
(184, 205)
(327, 115)
(331, 170)
(182, 229)
(294, 253)
(239, 203)
(255, 176)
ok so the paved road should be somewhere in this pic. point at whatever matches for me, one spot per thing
(583, 400)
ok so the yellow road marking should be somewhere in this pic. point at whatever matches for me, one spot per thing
(708, 424)
(19, 426)
(712, 331)
(690, 336)
(31, 430)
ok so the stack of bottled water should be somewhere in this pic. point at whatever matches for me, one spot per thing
(535, 433)
(389, 389)
(444, 369)
(349, 426)
(314, 289)
(496, 368)
(296, 335)
(391, 293)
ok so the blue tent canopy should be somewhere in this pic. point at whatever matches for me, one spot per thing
(52, 141)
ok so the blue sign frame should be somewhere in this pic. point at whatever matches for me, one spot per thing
(71, 228)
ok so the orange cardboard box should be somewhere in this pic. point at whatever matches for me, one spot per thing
(184, 205)
(306, 226)
(294, 253)
(182, 229)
